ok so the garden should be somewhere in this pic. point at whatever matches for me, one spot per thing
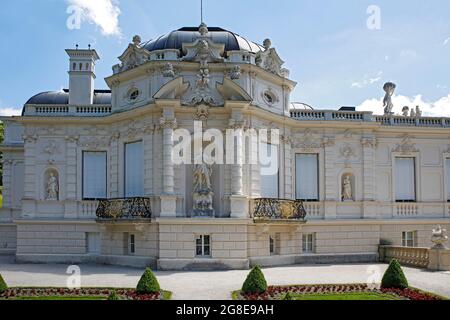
(394, 286)
(147, 288)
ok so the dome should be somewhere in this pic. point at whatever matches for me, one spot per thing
(175, 40)
(62, 97)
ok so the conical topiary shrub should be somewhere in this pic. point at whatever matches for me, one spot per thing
(3, 285)
(394, 277)
(255, 282)
(148, 283)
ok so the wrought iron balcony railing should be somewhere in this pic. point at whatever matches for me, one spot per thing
(278, 209)
(124, 209)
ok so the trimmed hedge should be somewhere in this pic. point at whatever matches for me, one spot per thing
(255, 282)
(3, 285)
(113, 295)
(148, 283)
(394, 278)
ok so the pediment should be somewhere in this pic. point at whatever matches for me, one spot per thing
(231, 91)
(270, 61)
(174, 89)
(133, 57)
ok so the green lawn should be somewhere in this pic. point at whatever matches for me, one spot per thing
(345, 296)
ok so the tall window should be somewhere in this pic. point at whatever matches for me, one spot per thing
(447, 164)
(409, 238)
(134, 169)
(307, 177)
(405, 180)
(308, 243)
(269, 172)
(203, 246)
(94, 175)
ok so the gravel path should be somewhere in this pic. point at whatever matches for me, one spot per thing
(212, 285)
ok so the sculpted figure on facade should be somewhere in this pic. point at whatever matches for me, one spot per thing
(347, 190)
(389, 88)
(203, 193)
(52, 187)
(439, 237)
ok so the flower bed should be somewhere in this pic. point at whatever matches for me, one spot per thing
(85, 293)
(279, 292)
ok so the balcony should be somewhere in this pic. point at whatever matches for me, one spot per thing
(281, 210)
(124, 210)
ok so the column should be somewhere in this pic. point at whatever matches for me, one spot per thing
(238, 201)
(368, 147)
(30, 187)
(70, 204)
(168, 198)
(330, 178)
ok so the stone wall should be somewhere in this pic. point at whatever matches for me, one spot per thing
(8, 240)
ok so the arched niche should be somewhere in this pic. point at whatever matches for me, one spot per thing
(347, 187)
(51, 185)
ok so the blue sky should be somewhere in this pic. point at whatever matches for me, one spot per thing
(332, 54)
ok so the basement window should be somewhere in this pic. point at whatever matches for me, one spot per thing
(203, 246)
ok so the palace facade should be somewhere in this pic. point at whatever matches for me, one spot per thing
(89, 174)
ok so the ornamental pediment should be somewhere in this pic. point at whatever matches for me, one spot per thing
(133, 56)
(203, 50)
(269, 59)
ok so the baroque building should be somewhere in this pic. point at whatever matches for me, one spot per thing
(90, 176)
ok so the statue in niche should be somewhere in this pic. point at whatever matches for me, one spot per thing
(203, 193)
(52, 187)
(389, 88)
(347, 192)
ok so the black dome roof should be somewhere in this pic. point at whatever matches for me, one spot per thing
(175, 40)
(62, 97)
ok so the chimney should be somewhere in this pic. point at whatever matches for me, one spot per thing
(82, 75)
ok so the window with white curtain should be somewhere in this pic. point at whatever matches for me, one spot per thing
(269, 182)
(447, 165)
(94, 175)
(134, 169)
(307, 177)
(405, 180)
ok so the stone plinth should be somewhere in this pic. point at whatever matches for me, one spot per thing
(439, 259)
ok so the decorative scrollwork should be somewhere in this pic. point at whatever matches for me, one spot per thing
(124, 209)
(278, 209)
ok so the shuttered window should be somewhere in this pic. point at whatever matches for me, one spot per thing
(94, 175)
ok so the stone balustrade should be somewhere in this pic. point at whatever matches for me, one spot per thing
(68, 110)
(365, 116)
(408, 256)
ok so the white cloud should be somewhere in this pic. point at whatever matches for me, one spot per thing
(8, 112)
(439, 108)
(103, 13)
(367, 81)
(446, 41)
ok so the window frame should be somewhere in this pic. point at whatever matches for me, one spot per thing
(414, 159)
(278, 172)
(308, 246)
(317, 154)
(83, 152)
(203, 245)
(125, 168)
(406, 239)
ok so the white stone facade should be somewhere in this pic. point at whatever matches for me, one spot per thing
(156, 91)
